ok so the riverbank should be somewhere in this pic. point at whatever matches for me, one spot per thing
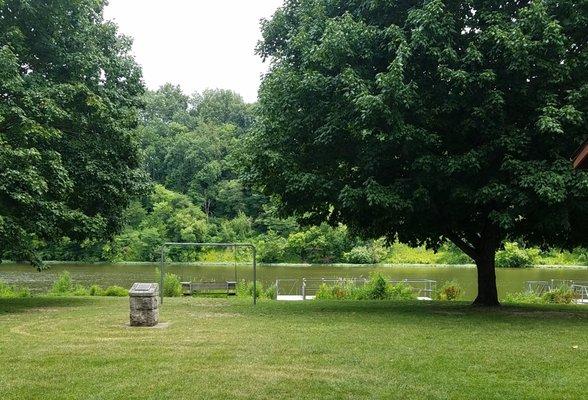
(509, 280)
(293, 265)
(219, 349)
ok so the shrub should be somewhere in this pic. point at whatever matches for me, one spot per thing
(63, 284)
(271, 292)
(11, 292)
(341, 291)
(376, 289)
(560, 295)
(271, 248)
(450, 291)
(372, 253)
(116, 291)
(558, 257)
(96, 290)
(514, 256)
(451, 254)
(522, 298)
(338, 291)
(79, 290)
(403, 254)
(324, 292)
(400, 291)
(358, 255)
(172, 287)
(245, 289)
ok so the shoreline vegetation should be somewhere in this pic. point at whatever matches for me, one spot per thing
(333, 247)
(377, 287)
(293, 265)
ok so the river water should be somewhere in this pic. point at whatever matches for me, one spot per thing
(509, 280)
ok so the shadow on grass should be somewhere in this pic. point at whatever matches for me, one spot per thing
(30, 304)
(432, 309)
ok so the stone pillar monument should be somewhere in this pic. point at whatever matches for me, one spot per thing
(144, 304)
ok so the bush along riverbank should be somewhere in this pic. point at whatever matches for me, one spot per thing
(376, 288)
(172, 287)
(560, 295)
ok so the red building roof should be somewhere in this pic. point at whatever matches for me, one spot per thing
(581, 157)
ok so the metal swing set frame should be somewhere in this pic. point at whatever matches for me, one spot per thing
(169, 245)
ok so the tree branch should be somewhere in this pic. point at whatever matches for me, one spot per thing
(463, 245)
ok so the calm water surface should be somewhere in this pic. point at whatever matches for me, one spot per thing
(509, 280)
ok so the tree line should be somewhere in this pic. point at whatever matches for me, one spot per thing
(191, 148)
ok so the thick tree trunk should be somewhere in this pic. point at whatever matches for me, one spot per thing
(482, 249)
(487, 292)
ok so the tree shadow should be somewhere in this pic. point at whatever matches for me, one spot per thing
(32, 304)
(434, 309)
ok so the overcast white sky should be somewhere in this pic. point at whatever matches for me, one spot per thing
(197, 44)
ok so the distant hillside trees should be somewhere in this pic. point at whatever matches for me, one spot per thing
(189, 144)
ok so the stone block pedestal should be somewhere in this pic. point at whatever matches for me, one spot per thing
(144, 304)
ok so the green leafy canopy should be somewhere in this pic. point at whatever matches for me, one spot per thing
(427, 121)
(70, 88)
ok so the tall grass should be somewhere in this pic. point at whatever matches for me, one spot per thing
(560, 295)
(377, 288)
(63, 285)
(12, 292)
(172, 287)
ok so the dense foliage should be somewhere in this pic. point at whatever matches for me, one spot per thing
(197, 155)
(64, 286)
(189, 143)
(450, 291)
(182, 148)
(11, 292)
(69, 91)
(428, 122)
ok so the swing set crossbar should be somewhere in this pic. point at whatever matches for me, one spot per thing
(169, 245)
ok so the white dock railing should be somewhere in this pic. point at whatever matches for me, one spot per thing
(580, 288)
(303, 288)
(581, 292)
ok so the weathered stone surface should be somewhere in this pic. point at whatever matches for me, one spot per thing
(144, 317)
(144, 304)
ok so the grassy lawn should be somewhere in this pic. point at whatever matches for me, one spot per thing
(57, 348)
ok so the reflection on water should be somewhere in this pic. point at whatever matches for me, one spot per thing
(509, 280)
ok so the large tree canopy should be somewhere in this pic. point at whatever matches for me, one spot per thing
(69, 90)
(428, 121)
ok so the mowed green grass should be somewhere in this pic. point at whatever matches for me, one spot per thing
(81, 348)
